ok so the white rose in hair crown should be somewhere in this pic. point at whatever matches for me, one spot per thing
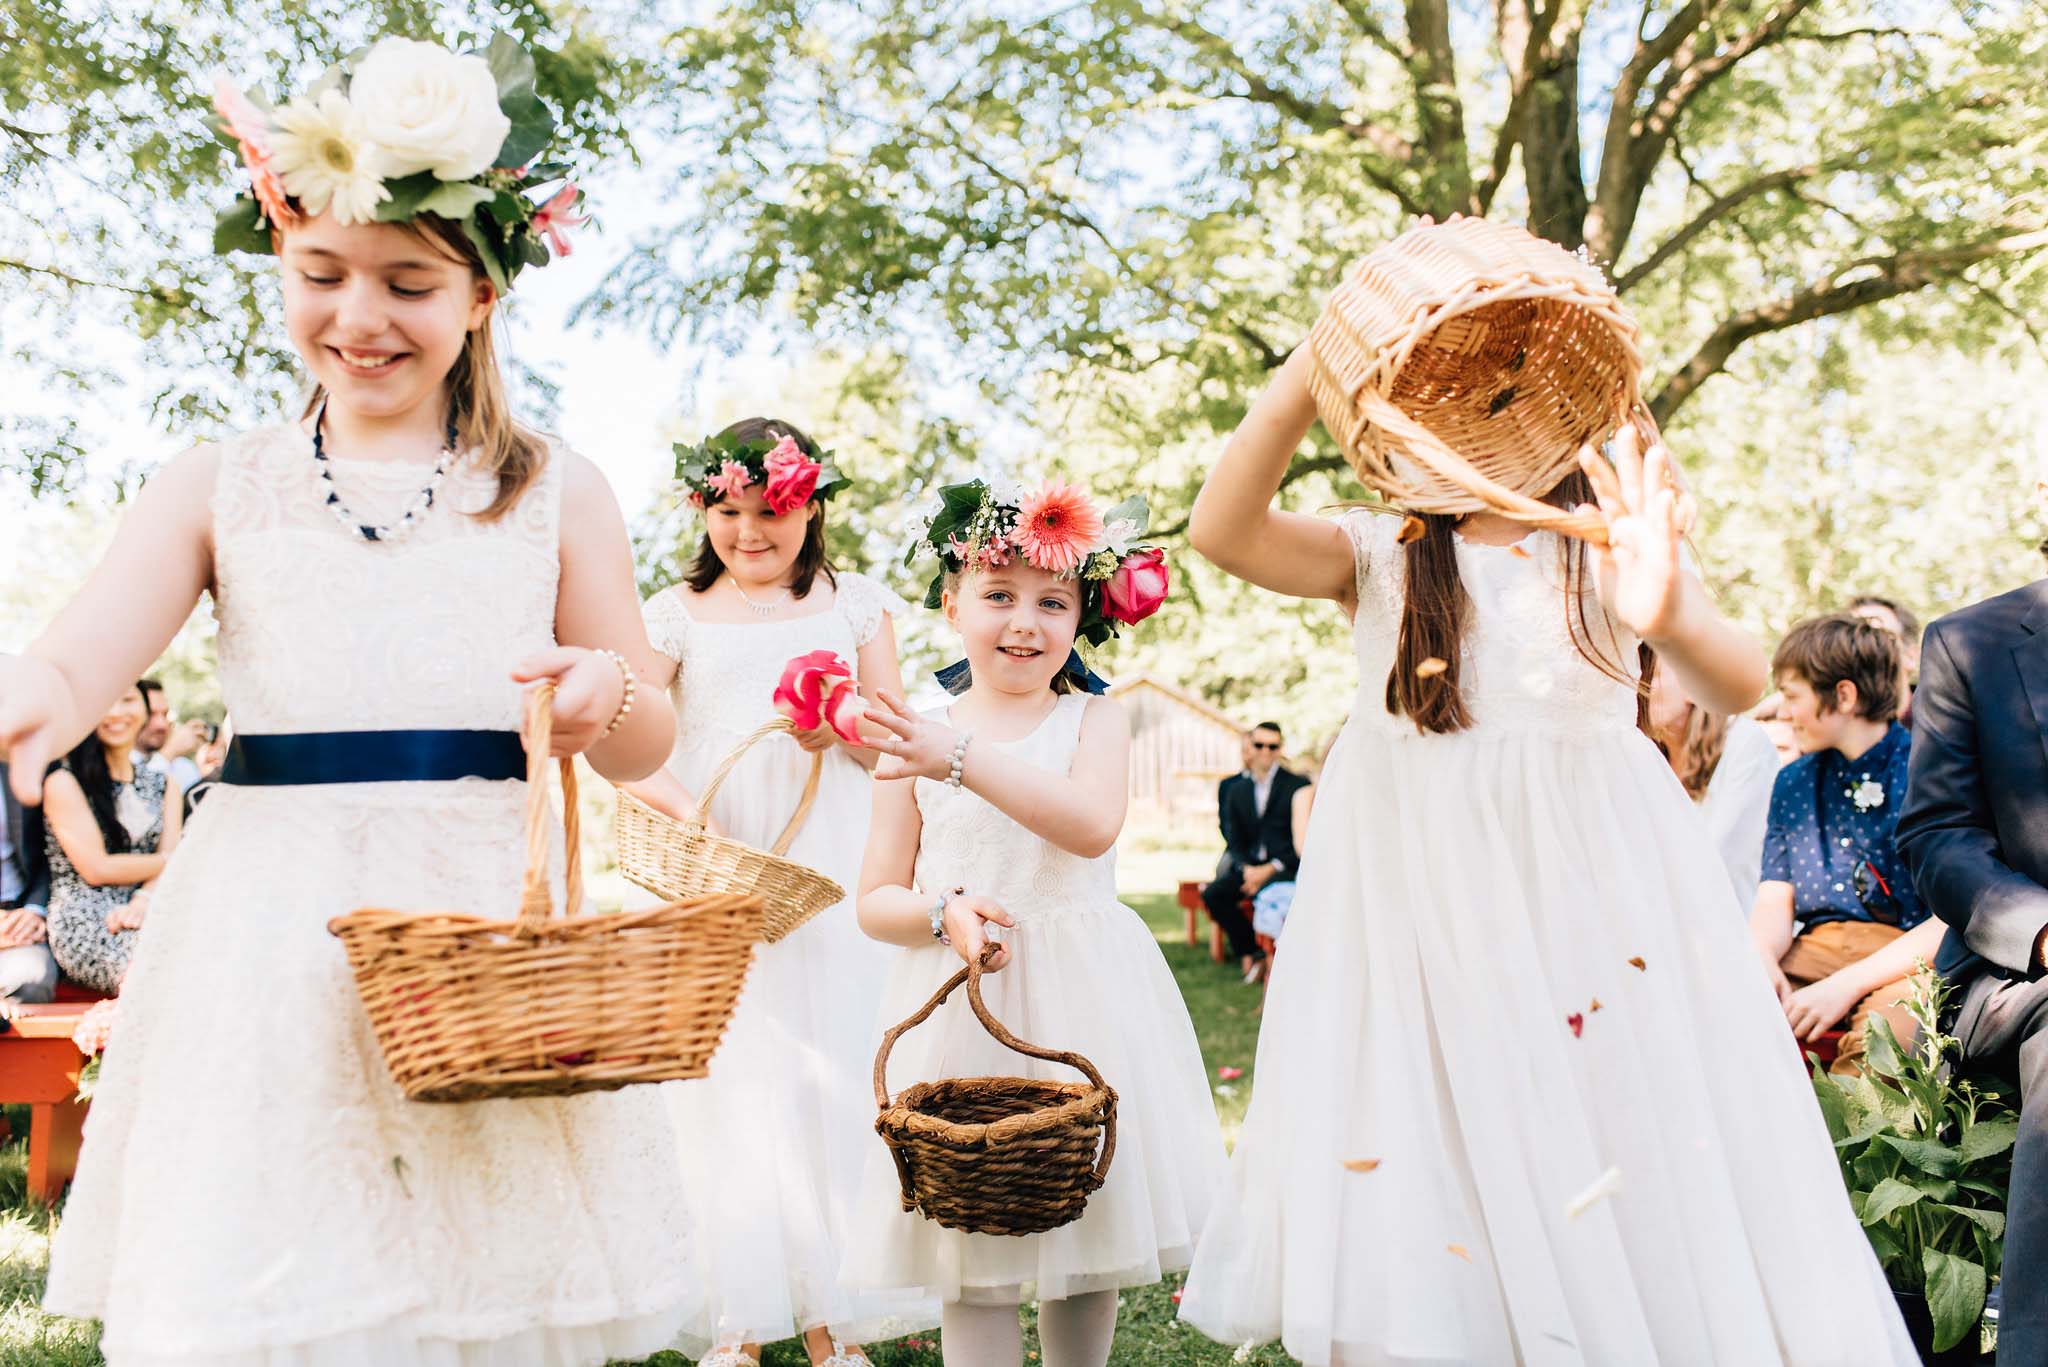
(401, 129)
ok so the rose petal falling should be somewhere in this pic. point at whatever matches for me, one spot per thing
(1577, 1021)
(1360, 1164)
(1460, 1250)
(1411, 530)
(1637, 963)
(1594, 1007)
(1228, 1073)
(1606, 1185)
(1430, 668)
(1517, 552)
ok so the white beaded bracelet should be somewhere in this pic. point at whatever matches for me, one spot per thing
(959, 759)
(626, 699)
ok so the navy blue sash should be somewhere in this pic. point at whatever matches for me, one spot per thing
(373, 757)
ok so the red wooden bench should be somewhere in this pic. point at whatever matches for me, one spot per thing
(39, 1065)
(1190, 898)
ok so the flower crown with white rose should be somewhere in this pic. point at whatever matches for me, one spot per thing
(726, 466)
(986, 524)
(398, 130)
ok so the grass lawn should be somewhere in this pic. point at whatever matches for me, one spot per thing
(1225, 1016)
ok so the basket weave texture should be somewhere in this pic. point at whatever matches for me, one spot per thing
(1462, 365)
(466, 1007)
(682, 859)
(996, 1155)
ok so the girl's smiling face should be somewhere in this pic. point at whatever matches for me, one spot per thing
(379, 312)
(1017, 622)
(123, 722)
(756, 544)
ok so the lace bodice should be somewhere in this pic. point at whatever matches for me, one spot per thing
(323, 631)
(1521, 673)
(968, 843)
(726, 672)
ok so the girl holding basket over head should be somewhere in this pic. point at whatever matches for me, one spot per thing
(771, 1142)
(390, 567)
(995, 830)
(1522, 1095)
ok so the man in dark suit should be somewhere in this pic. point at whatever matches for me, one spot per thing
(27, 972)
(1255, 810)
(1975, 834)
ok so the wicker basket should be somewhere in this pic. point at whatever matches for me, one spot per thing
(996, 1155)
(1462, 365)
(466, 1007)
(682, 859)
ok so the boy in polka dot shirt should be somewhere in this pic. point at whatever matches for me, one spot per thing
(1837, 920)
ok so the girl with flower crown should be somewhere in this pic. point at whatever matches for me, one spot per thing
(770, 1143)
(391, 571)
(995, 829)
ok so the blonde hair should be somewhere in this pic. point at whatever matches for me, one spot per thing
(478, 405)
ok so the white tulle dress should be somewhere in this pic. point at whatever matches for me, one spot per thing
(771, 1142)
(254, 1191)
(1510, 972)
(1086, 977)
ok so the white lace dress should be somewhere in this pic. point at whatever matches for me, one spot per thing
(771, 1141)
(1086, 976)
(1510, 967)
(254, 1191)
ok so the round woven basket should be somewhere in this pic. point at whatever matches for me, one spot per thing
(466, 1007)
(996, 1155)
(682, 859)
(1462, 366)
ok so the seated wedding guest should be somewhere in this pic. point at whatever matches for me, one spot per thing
(1727, 766)
(1254, 810)
(1900, 622)
(177, 759)
(1270, 905)
(27, 971)
(112, 825)
(1770, 715)
(1836, 919)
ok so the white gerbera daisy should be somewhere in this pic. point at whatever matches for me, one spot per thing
(318, 151)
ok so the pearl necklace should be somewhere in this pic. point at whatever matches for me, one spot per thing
(414, 511)
(762, 610)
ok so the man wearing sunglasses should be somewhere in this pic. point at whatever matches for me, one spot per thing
(1255, 810)
(1975, 832)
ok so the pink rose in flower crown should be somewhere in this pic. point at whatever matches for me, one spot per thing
(816, 690)
(792, 477)
(1137, 588)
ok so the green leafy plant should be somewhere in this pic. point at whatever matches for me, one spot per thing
(1926, 1151)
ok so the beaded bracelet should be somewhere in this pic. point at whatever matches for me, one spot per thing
(959, 759)
(626, 699)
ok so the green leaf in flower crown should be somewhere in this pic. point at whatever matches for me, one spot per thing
(1955, 1296)
(1134, 510)
(481, 237)
(528, 249)
(532, 122)
(512, 66)
(240, 228)
(407, 193)
(1989, 1137)
(453, 200)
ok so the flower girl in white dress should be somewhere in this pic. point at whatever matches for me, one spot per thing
(1523, 1095)
(771, 1143)
(1003, 812)
(387, 570)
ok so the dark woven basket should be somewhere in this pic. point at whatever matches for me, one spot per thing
(996, 1155)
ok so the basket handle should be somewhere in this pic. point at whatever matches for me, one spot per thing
(1383, 413)
(971, 975)
(781, 726)
(536, 904)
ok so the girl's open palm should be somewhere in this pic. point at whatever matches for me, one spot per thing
(916, 747)
(1637, 572)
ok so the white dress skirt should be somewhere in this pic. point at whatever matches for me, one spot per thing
(1523, 1095)
(770, 1144)
(1086, 977)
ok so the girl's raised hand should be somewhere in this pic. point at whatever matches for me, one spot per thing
(588, 692)
(33, 696)
(915, 746)
(965, 917)
(1637, 572)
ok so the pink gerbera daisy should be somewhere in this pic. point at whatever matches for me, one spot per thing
(731, 480)
(1057, 527)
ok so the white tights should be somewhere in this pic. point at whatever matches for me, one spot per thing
(1075, 1332)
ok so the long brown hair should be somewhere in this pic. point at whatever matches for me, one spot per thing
(1698, 752)
(811, 559)
(478, 405)
(1434, 608)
